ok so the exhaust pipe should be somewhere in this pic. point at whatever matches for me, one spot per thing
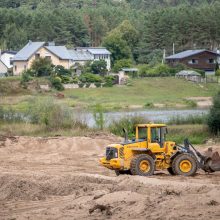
(125, 135)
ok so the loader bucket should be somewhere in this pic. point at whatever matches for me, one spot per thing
(212, 162)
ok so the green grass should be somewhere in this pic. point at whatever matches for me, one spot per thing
(144, 93)
(167, 91)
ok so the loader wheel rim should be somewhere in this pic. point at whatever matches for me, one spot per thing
(185, 166)
(144, 166)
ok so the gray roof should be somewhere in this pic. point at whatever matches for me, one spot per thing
(188, 53)
(28, 50)
(188, 73)
(130, 69)
(96, 51)
(59, 51)
(80, 55)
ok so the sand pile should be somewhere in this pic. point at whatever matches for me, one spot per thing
(60, 178)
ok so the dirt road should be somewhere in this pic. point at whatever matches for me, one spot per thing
(59, 178)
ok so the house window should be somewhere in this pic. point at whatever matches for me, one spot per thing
(193, 61)
(25, 67)
(48, 57)
(211, 61)
(37, 55)
(15, 68)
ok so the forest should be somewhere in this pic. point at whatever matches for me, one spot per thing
(138, 30)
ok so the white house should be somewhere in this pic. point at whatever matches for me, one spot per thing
(6, 57)
(3, 69)
(83, 54)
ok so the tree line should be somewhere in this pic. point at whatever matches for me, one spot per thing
(134, 30)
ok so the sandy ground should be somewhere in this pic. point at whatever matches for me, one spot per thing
(60, 178)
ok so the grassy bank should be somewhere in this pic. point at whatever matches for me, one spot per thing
(143, 93)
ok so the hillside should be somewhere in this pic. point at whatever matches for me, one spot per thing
(146, 27)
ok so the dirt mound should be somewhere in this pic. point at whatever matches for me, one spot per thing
(39, 188)
(60, 178)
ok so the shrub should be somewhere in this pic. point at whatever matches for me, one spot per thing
(61, 71)
(42, 67)
(98, 84)
(98, 114)
(90, 78)
(160, 70)
(217, 72)
(119, 64)
(129, 123)
(50, 114)
(65, 79)
(26, 77)
(99, 67)
(214, 116)
(109, 81)
(56, 82)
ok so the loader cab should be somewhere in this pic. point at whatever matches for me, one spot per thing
(154, 134)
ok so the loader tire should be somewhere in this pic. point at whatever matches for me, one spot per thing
(185, 164)
(170, 171)
(142, 165)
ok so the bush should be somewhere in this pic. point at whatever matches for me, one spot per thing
(99, 67)
(217, 72)
(90, 78)
(50, 114)
(26, 77)
(214, 116)
(129, 123)
(42, 67)
(160, 70)
(65, 79)
(109, 81)
(56, 82)
(119, 64)
(61, 71)
(98, 114)
(98, 84)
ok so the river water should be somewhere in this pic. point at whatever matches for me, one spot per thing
(149, 115)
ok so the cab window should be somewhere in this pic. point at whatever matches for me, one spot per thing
(142, 133)
(155, 135)
(158, 135)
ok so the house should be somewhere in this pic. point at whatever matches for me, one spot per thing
(95, 53)
(3, 68)
(58, 55)
(6, 57)
(189, 75)
(196, 59)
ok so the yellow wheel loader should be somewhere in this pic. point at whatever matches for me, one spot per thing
(150, 151)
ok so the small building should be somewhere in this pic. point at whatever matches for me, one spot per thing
(6, 57)
(196, 59)
(3, 68)
(130, 71)
(189, 75)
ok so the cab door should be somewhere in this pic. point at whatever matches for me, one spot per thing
(157, 139)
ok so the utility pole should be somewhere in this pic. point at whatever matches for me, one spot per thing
(173, 48)
(164, 56)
